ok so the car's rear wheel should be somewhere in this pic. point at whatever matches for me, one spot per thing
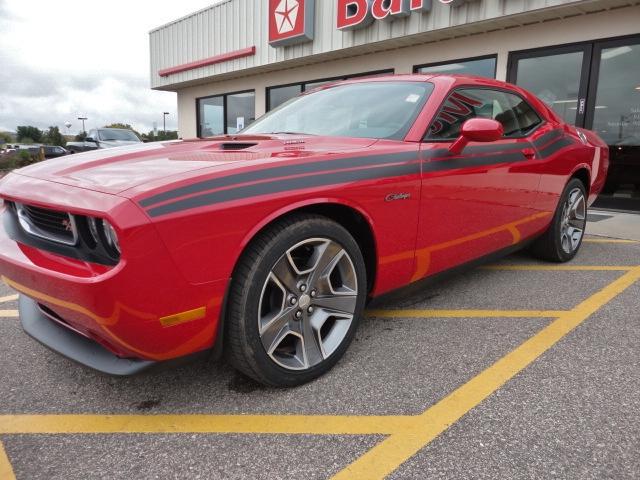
(562, 241)
(295, 301)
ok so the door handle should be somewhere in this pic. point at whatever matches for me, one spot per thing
(529, 153)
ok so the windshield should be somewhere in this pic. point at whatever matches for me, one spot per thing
(114, 135)
(363, 110)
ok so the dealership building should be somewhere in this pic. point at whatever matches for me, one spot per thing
(234, 61)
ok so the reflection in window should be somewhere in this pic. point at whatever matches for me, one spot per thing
(216, 119)
(554, 79)
(211, 115)
(482, 67)
(279, 95)
(617, 110)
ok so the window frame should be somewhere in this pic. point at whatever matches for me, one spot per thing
(303, 84)
(224, 109)
(543, 120)
(494, 56)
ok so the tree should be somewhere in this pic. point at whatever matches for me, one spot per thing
(28, 134)
(54, 137)
(6, 137)
(81, 136)
(160, 137)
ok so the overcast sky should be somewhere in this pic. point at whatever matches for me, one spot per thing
(63, 59)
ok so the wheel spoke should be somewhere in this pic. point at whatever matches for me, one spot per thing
(329, 254)
(338, 303)
(312, 349)
(283, 270)
(275, 330)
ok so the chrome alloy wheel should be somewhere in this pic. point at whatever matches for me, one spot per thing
(307, 303)
(574, 219)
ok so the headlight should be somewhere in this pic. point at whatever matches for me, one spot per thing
(111, 236)
(103, 233)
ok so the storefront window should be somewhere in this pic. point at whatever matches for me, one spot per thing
(276, 96)
(616, 118)
(279, 95)
(482, 67)
(241, 111)
(555, 79)
(225, 113)
(211, 115)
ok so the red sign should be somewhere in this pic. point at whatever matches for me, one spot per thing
(290, 21)
(355, 14)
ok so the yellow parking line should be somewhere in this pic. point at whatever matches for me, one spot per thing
(466, 313)
(265, 424)
(560, 268)
(388, 455)
(8, 313)
(8, 298)
(610, 240)
(6, 471)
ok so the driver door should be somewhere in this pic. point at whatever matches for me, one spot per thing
(482, 200)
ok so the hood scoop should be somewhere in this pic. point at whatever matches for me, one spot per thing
(234, 146)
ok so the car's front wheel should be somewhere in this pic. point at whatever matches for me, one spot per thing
(295, 301)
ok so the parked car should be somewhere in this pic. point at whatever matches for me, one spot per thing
(104, 138)
(268, 243)
(55, 151)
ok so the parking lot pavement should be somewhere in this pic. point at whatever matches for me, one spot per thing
(520, 369)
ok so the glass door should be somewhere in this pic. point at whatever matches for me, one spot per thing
(614, 113)
(559, 76)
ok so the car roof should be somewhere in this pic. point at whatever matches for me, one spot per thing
(438, 78)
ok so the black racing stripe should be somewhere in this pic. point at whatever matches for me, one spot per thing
(547, 137)
(555, 147)
(288, 184)
(442, 165)
(276, 172)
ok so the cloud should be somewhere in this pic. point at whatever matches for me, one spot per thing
(62, 60)
(33, 97)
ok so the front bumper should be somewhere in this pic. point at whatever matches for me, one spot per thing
(142, 308)
(74, 346)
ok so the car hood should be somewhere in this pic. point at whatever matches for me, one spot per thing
(152, 165)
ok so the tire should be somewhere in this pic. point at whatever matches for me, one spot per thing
(563, 239)
(283, 327)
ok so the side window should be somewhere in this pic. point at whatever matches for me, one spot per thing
(515, 115)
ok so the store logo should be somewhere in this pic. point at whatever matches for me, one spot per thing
(290, 21)
(356, 14)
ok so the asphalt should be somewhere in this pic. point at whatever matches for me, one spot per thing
(570, 414)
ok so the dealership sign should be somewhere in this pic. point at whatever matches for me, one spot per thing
(290, 21)
(355, 14)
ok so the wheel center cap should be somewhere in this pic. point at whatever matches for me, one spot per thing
(305, 301)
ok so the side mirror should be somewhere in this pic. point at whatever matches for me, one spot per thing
(90, 139)
(477, 130)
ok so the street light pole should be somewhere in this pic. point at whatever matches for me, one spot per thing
(164, 123)
(83, 119)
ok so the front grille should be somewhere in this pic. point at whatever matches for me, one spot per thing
(47, 224)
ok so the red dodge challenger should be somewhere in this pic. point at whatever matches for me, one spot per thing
(268, 244)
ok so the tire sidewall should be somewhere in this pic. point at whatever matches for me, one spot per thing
(252, 290)
(557, 221)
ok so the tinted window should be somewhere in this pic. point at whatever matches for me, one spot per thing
(211, 115)
(279, 95)
(515, 115)
(483, 67)
(364, 110)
